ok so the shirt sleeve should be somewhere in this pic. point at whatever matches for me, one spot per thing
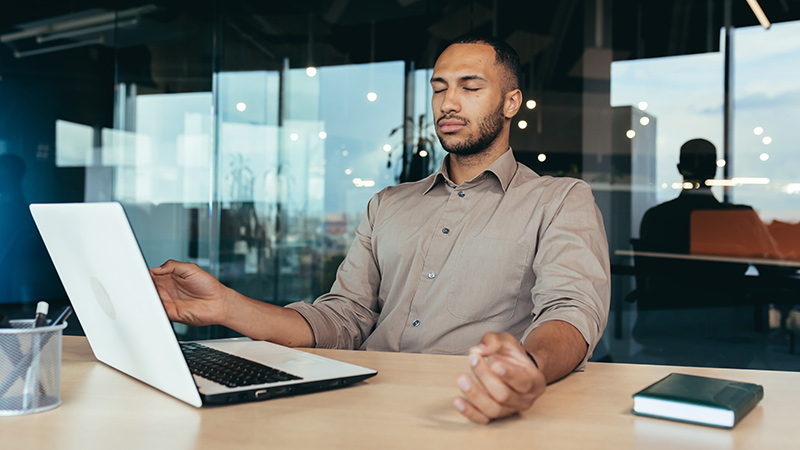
(572, 268)
(344, 317)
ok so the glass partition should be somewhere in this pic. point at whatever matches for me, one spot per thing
(249, 137)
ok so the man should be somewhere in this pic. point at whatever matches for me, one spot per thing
(484, 257)
(670, 290)
(666, 227)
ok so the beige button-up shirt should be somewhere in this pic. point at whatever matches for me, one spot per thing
(434, 265)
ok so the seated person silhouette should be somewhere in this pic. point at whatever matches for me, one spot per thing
(694, 223)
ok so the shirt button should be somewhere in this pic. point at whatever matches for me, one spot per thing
(432, 275)
(461, 194)
(415, 323)
(445, 230)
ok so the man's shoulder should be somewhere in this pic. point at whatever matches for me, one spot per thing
(407, 191)
(668, 208)
(527, 178)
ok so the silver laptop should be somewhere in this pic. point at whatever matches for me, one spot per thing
(108, 283)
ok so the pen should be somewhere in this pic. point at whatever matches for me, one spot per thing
(41, 314)
(62, 316)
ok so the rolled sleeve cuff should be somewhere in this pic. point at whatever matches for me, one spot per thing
(324, 336)
(578, 319)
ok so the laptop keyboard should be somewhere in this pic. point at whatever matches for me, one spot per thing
(229, 370)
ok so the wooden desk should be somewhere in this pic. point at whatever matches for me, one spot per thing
(408, 405)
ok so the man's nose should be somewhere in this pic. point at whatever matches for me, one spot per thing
(450, 102)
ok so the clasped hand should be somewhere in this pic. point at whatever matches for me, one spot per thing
(505, 382)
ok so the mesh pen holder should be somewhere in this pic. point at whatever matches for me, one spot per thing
(30, 368)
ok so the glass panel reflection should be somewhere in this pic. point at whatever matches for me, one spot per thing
(300, 156)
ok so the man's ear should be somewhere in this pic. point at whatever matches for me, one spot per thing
(512, 103)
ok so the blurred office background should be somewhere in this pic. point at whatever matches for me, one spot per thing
(248, 136)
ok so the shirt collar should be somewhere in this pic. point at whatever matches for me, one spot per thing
(503, 168)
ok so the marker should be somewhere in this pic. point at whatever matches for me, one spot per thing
(41, 314)
(62, 316)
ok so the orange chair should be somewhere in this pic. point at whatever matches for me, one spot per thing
(731, 232)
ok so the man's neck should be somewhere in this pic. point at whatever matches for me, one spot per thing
(702, 190)
(463, 168)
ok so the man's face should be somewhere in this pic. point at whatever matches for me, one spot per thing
(468, 100)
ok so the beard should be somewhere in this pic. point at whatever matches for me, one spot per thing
(489, 128)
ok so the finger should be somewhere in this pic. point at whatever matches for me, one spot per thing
(525, 380)
(504, 346)
(469, 411)
(167, 267)
(501, 344)
(177, 268)
(477, 396)
(511, 365)
(497, 388)
(490, 343)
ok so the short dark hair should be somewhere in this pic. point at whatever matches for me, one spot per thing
(504, 54)
(698, 160)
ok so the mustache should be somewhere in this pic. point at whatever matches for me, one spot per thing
(450, 117)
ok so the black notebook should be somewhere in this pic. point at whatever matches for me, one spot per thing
(703, 400)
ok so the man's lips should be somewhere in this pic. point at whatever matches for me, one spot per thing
(450, 126)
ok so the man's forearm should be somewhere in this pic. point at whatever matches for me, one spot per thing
(558, 348)
(267, 322)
